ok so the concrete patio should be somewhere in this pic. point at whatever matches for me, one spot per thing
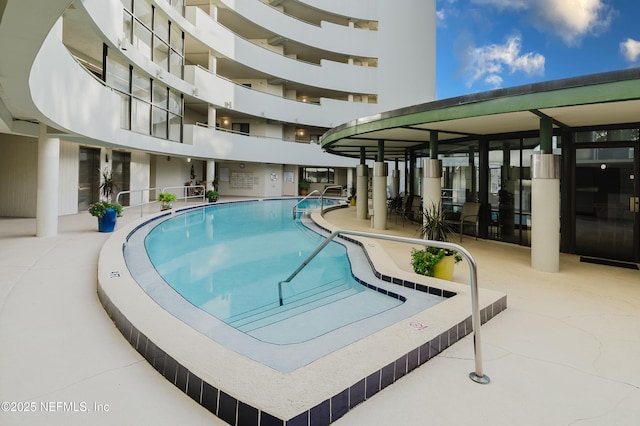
(564, 352)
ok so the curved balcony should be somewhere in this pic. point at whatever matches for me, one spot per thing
(353, 79)
(327, 36)
(216, 90)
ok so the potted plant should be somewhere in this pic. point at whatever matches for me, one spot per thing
(352, 196)
(107, 184)
(212, 195)
(107, 214)
(435, 261)
(167, 199)
(304, 186)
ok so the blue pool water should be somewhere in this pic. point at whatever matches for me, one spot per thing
(228, 259)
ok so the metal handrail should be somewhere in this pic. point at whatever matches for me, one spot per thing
(307, 196)
(322, 196)
(477, 376)
(141, 191)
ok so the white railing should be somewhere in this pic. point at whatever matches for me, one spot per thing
(185, 189)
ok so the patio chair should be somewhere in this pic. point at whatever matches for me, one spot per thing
(470, 214)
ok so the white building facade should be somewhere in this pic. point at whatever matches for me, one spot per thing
(169, 92)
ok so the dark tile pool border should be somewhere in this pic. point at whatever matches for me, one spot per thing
(236, 412)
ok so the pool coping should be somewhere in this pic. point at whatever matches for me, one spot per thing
(242, 391)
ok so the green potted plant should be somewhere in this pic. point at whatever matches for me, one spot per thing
(107, 214)
(167, 199)
(107, 184)
(434, 261)
(212, 195)
(304, 186)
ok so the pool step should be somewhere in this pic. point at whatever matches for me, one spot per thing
(323, 319)
(293, 305)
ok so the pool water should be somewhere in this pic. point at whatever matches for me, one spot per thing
(228, 259)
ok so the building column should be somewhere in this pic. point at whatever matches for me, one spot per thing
(47, 188)
(431, 182)
(545, 204)
(545, 212)
(380, 195)
(432, 175)
(362, 191)
(395, 182)
(211, 174)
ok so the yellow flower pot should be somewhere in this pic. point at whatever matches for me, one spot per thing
(444, 268)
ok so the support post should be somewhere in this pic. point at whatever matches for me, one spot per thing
(47, 188)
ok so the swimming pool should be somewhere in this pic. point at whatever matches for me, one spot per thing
(317, 381)
(228, 260)
(174, 259)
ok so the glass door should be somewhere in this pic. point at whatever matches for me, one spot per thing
(606, 202)
(88, 177)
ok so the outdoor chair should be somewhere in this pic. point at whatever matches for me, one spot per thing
(470, 214)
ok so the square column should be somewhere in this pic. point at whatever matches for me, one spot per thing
(380, 195)
(545, 212)
(362, 191)
(431, 182)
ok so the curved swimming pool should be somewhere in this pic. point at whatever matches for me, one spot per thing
(217, 269)
(229, 259)
(235, 375)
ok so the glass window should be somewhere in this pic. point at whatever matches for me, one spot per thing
(159, 95)
(142, 39)
(175, 126)
(618, 135)
(128, 4)
(141, 86)
(177, 39)
(127, 26)
(175, 66)
(140, 116)
(125, 103)
(175, 103)
(159, 123)
(319, 174)
(161, 26)
(161, 53)
(117, 73)
(144, 12)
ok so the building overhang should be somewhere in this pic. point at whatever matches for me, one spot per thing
(598, 100)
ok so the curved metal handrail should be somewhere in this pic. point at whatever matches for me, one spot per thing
(477, 375)
(307, 196)
(322, 196)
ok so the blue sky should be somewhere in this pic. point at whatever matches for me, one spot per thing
(489, 44)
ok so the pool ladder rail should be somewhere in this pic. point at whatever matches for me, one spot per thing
(477, 375)
(315, 191)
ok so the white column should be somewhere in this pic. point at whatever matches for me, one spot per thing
(431, 182)
(47, 190)
(211, 174)
(545, 212)
(380, 195)
(362, 191)
(211, 117)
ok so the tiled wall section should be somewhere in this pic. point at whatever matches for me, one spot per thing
(236, 412)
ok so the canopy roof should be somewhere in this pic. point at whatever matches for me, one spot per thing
(597, 100)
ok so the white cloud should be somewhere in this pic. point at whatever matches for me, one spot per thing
(571, 20)
(488, 63)
(630, 49)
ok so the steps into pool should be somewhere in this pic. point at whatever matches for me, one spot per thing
(293, 304)
(311, 313)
